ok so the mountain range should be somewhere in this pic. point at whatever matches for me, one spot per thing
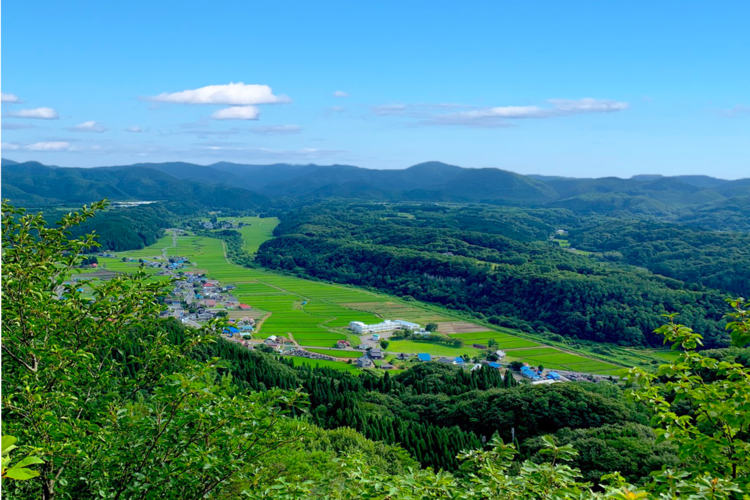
(248, 186)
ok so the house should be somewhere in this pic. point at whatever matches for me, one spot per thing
(362, 347)
(386, 366)
(500, 354)
(403, 356)
(244, 307)
(375, 337)
(376, 354)
(363, 362)
(343, 344)
(529, 373)
(209, 303)
(492, 364)
(479, 346)
(553, 376)
(445, 361)
(476, 367)
(246, 328)
(423, 356)
(459, 361)
(272, 338)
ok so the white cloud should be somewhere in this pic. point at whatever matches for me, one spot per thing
(499, 116)
(9, 98)
(16, 126)
(135, 130)
(340, 93)
(48, 146)
(40, 146)
(37, 113)
(389, 109)
(277, 129)
(237, 113)
(235, 94)
(90, 126)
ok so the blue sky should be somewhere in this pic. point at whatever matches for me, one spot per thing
(577, 88)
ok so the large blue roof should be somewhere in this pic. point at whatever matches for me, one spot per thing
(424, 357)
(459, 360)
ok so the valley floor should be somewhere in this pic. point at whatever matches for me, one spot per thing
(316, 315)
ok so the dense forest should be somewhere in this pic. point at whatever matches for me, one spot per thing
(480, 260)
(712, 259)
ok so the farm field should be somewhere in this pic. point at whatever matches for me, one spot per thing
(409, 346)
(337, 353)
(316, 314)
(504, 340)
(324, 363)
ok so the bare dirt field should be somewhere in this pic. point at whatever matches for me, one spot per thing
(450, 327)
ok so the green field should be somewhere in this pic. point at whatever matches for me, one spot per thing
(316, 314)
(504, 340)
(338, 353)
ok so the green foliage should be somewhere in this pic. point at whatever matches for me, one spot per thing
(111, 399)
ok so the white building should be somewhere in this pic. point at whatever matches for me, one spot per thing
(386, 326)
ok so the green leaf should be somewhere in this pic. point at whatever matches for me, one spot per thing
(7, 444)
(20, 473)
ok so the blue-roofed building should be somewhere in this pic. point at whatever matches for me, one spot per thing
(424, 357)
(231, 331)
(458, 361)
(529, 373)
(553, 375)
(494, 365)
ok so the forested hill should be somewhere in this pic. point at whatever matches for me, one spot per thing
(692, 200)
(489, 262)
(32, 183)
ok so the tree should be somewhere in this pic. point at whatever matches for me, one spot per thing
(384, 343)
(492, 343)
(516, 366)
(431, 327)
(541, 368)
(105, 393)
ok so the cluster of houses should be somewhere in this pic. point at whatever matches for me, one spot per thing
(222, 224)
(204, 299)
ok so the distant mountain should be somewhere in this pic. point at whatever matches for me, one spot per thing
(238, 184)
(32, 182)
(6, 162)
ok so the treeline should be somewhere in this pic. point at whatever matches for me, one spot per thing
(528, 285)
(707, 258)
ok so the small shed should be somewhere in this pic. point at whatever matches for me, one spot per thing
(423, 356)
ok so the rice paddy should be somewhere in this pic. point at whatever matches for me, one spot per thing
(316, 314)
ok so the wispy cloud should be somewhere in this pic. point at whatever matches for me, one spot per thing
(9, 98)
(305, 154)
(36, 113)
(134, 130)
(237, 113)
(16, 126)
(340, 93)
(334, 110)
(233, 94)
(40, 146)
(500, 116)
(90, 126)
(277, 129)
(735, 111)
